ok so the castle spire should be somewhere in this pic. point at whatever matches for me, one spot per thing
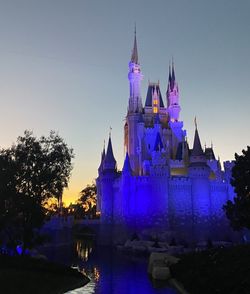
(195, 123)
(173, 72)
(135, 78)
(126, 166)
(169, 74)
(100, 169)
(172, 95)
(197, 149)
(158, 142)
(134, 56)
(109, 161)
(103, 151)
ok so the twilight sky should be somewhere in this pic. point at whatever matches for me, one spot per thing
(64, 65)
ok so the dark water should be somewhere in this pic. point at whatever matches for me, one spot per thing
(111, 272)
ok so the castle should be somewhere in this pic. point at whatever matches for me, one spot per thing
(163, 183)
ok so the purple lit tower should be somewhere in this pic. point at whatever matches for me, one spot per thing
(164, 184)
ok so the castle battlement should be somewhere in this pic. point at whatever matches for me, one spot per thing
(174, 179)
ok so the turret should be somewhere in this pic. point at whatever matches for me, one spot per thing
(158, 143)
(126, 170)
(100, 168)
(198, 157)
(199, 173)
(135, 78)
(173, 96)
(107, 180)
(98, 183)
(213, 163)
(158, 154)
(159, 175)
(134, 115)
(173, 110)
(109, 162)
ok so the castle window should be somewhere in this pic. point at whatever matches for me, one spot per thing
(155, 105)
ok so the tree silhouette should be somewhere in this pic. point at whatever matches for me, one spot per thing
(238, 210)
(86, 204)
(32, 171)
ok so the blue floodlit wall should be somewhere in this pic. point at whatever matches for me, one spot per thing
(176, 203)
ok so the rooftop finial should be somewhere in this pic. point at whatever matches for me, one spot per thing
(195, 122)
(134, 56)
(110, 129)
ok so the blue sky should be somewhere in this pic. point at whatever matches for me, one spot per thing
(64, 65)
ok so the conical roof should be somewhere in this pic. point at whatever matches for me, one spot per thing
(209, 152)
(171, 78)
(134, 56)
(151, 87)
(198, 157)
(169, 75)
(158, 143)
(102, 160)
(197, 149)
(109, 161)
(173, 72)
(126, 166)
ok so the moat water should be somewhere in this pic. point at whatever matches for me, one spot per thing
(110, 271)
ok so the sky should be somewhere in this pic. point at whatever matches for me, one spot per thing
(64, 66)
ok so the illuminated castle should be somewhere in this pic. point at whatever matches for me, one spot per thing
(163, 182)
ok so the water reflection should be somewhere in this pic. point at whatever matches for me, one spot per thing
(112, 272)
(96, 274)
(84, 248)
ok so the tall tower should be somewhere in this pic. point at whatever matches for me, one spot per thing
(135, 78)
(134, 114)
(173, 96)
(199, 173)
(98, 184)
(107, 177)
(173, 109)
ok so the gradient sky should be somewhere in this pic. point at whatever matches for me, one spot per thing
(64, 65)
